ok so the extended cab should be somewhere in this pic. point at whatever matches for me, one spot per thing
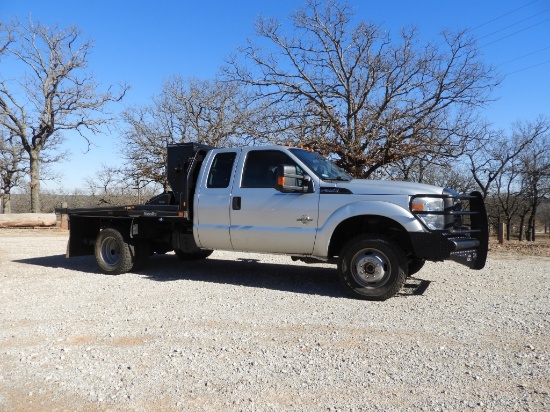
(292, 201)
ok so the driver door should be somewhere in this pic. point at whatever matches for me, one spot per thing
(264, 219)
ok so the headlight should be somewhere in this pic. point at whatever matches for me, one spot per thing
(423, 206)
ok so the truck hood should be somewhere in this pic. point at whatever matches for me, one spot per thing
(385, 187)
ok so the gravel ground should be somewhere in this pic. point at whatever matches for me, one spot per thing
(260, 332)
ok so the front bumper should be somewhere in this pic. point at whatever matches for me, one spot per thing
(466, 240)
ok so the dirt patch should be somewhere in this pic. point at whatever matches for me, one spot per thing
(261, 332)
(515, 248)
(34, 232)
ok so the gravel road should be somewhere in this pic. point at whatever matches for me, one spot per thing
(260, 333)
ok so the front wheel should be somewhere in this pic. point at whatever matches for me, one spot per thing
(372, 267)
(113, 254)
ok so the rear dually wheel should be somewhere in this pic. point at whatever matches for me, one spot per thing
(113, 254)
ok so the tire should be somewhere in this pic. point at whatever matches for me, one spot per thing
(202, 254)
(415, 265)
(141, 255)
(372, 267)
(113, 254)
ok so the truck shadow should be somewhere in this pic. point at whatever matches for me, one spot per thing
(86, 264)
(306, 279)
(311, 279)
(301, 278)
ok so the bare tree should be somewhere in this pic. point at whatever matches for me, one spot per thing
(6, 37)
(536, 174)
(187, 110)
(496, 164)
(544, 215)
(494, 151)
(110, 186)
(382, 100)
(53, 94)
(429, 170)
(508, 199)
(12, 169)
(208, 111)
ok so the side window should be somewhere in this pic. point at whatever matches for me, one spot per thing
(260, 167)
(220, 171)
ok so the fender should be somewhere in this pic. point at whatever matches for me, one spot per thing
(361, 208)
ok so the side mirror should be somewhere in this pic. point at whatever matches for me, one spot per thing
(289, 181)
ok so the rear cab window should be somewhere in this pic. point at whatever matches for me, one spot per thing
(221, 170)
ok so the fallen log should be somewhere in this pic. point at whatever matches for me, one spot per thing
(28, 220)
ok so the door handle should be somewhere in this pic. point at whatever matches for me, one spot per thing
(236, 203)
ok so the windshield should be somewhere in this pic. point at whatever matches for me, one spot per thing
(322, 167)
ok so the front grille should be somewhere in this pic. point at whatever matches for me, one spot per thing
(459, 213)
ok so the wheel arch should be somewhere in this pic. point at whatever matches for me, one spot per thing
(366, 216)
(84, 230)
(363, 224)
(123, 225)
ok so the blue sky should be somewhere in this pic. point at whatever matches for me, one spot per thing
(142, 42)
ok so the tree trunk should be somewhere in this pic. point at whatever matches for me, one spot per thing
(508, 228)
(35, 180)
(6, 202)
(531, 223)
(28, 220)
(521, 223)
(532, 228)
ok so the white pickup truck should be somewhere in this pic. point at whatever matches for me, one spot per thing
(292, 201)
